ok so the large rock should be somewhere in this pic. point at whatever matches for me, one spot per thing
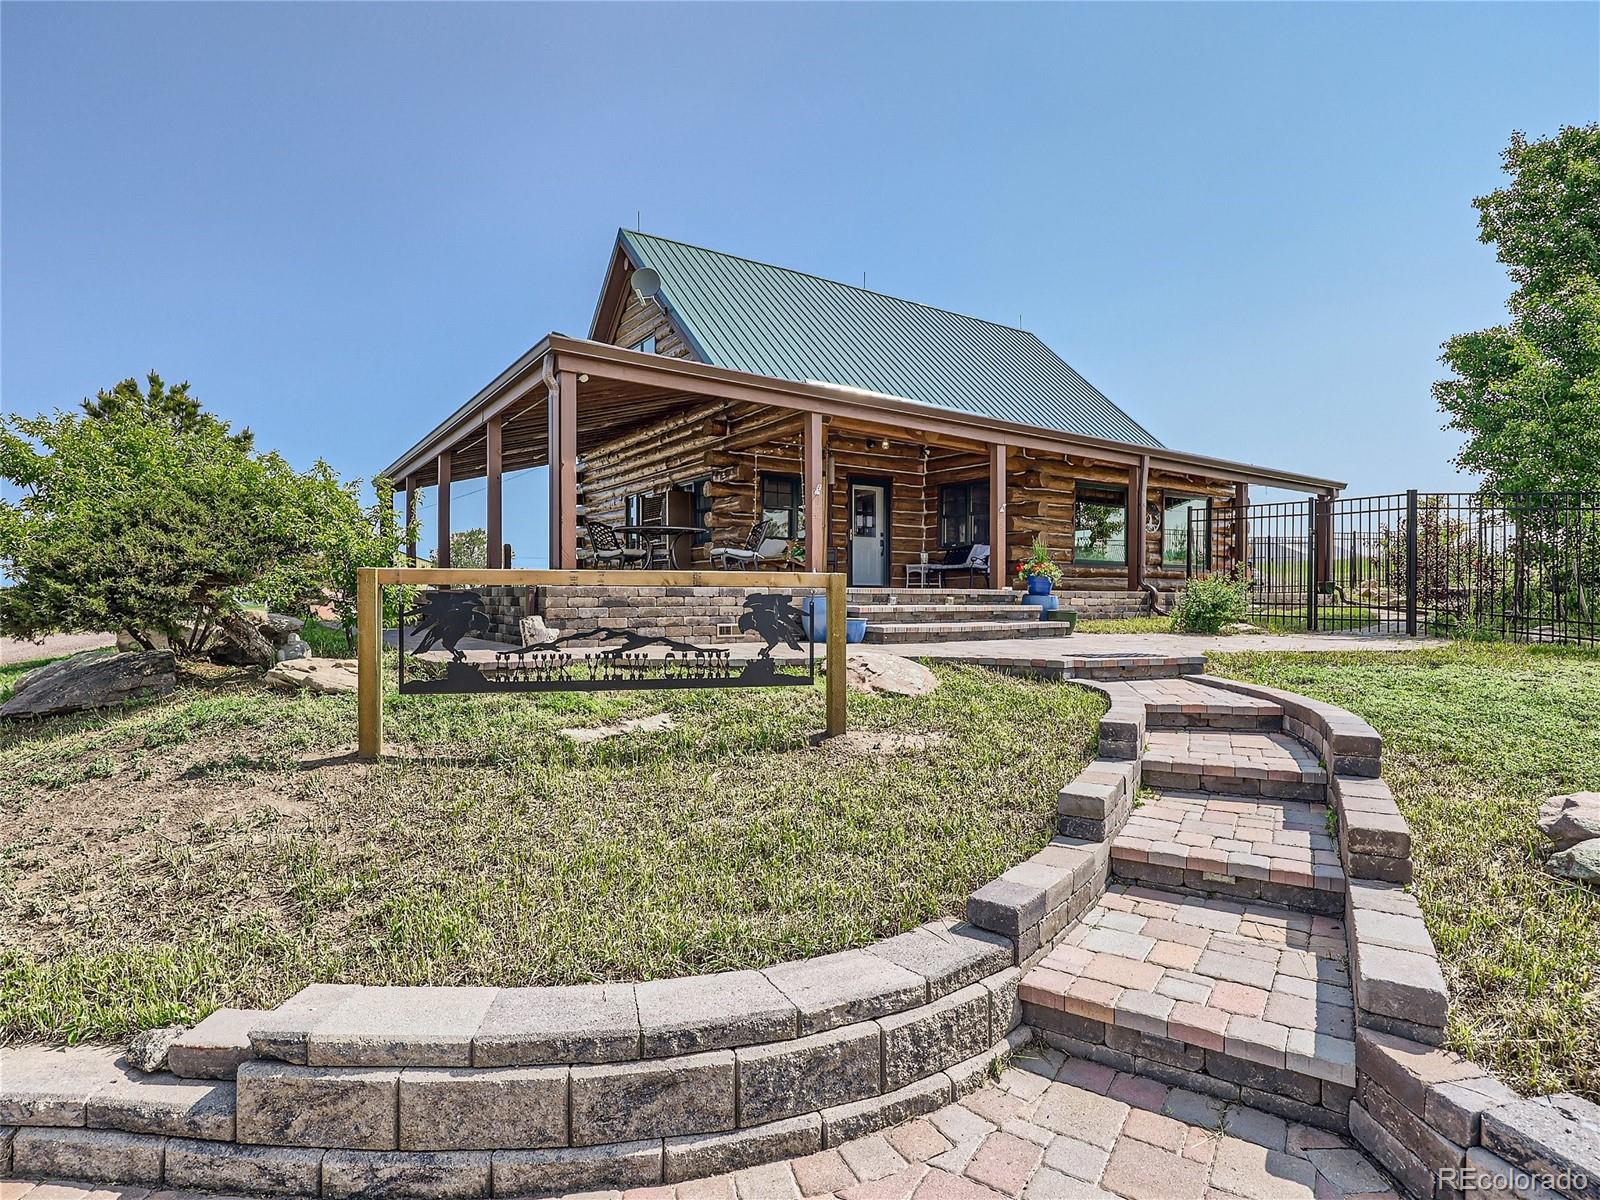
(877, 671)
(1580, 862)
(92, 680)
(319, 676)
(240, 642)
(1568, 820)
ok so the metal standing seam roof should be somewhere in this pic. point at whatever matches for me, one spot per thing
(767, 320)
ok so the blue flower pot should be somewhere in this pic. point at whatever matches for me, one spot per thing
(814, 618)
(855, 630)
(1038, 585)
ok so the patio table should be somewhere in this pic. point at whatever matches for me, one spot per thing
(670, 532)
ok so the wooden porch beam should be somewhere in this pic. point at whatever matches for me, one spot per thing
(442, 554)
(1241, 526)
(999, 539)
(816, 500)
(561, 412)
(411, 520)
(1138, 498)
(492, 464)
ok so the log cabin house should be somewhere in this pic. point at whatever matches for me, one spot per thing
(873, 433)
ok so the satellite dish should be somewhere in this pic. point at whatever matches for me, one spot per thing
(645, 282)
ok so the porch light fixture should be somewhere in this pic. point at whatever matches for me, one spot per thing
(583, 379)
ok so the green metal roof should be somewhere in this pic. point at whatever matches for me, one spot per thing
(767, 320)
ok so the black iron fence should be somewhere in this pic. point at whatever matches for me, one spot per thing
(1524, 567)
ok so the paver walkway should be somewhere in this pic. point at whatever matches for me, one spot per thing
(1051, 1128)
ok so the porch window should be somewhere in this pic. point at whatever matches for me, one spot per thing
(648, 346)
(964, 514)
(1100, 525)
(702, 510)
(781, 505)
(1180, 514)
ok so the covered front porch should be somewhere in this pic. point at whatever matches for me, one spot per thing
(883, 489)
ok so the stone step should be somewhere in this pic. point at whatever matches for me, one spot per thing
(931, 595)
(1207, 994)
(964, 631)
(1243, 847)
(939, 612)
(1241, 763)
(1186, 704)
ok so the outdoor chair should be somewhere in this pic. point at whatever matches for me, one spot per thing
(758, 546)
(653, 511)
(970, 561)
(608, 549)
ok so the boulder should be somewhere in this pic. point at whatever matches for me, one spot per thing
(92, 680)
(1580, 862)
(877, 671)
(147, 1050)
(295, 647)
(1568, 820)
(585, 735)
(239, 642)
(320, 676)
(278, 628)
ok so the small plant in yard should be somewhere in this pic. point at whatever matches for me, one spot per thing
(1039, 564)
(1211, 601)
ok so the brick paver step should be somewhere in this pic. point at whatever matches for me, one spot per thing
(1240, 762)
(1187, 704)
(1244, 847)
(943, 612)
(963, 631)
(1245, 993)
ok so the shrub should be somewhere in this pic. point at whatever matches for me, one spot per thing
(1211, 601)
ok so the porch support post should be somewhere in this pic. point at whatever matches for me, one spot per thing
(491, 451)
(562, 415)
(1241, 525)
(411, 520)
(1138, 497)
(442, 555)
(999, 539)
(1323, 506)
(816, 500)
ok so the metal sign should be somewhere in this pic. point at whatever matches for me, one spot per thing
(604, 658)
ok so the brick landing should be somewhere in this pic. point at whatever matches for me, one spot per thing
(1050, 1129)
(1248, 1001)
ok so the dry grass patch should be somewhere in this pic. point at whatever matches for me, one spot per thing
(221, 846)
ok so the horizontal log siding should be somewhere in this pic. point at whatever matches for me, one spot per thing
(645, 318)
(731, 445)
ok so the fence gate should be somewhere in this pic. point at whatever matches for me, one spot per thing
(1524, 567)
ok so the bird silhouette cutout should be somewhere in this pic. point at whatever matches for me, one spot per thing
(773, 619)
(443, 618)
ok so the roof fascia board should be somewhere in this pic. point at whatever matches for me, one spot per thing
(505, 389)
(609, 303)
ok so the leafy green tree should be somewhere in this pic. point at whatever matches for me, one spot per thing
(1527, 393)
(170, 406)
(145, 526)
(469, 550)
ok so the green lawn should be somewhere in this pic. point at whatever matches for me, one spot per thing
(220, 846)
(1475, 736)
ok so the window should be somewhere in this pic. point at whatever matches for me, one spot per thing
(964, 514)
(781, 505)
(1178, 517)
(1100, 525)
(648, 346)
(702, 509)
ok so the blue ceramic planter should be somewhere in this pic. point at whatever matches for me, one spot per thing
(1038, 585)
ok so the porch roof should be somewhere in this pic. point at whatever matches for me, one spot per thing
(618, 388)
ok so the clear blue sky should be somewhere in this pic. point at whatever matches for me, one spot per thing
(1249, 225)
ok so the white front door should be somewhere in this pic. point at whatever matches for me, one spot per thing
(869, 535)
